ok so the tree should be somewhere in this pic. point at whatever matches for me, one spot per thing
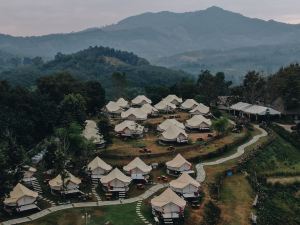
(254, 86)
(94, 95)
(220, 125)
(119, 81)
(211, 214)
(104, 128)
(72, 109)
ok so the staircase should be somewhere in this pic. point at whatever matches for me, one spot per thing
(36, 186)
(94, 186)
(122, 195)
(168, 221)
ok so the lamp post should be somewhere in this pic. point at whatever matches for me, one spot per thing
(86, 217)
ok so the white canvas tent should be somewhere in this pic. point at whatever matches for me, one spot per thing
(129, 128)
(173, 99)
(168, 204)
(178, 165)
(140, 100)
(164, 106)
(186, 186)
(116, 181)
(149, 109)
(134, 114)
(91, 133)
(21, 198)
(189, 104)
(168, 122)
(113, 108)
(68, 186)
(200, 109)
(98, 168)
(137, 169)
(174, 134)
(198, 122)
(122, 103)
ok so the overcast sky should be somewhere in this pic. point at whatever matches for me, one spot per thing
(36, 17)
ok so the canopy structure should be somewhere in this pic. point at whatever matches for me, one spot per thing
(260, 110)
(168, 122)
(129, 128)
(198, 122)
(140, 100)
(20, 196)
(185, 185)
(116, 181)
(179, 164)
(137, 167)
(173, 99)
(134, 114)
(169, 204)
(70, 183)
(165, 106)
(240, 106)
(200, 109)
(174, 134)
(98, 167)
(91, 132)
(113, 108)
(122, 103)
(189, 104)
(149, 109)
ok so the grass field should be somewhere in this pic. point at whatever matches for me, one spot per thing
(236, 198)
(116, 215)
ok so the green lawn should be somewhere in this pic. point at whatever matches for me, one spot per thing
(116, 215)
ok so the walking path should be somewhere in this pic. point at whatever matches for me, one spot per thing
(240, 151)
(48, 211)
(200, 177)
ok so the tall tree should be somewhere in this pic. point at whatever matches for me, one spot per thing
(254, 86)
(120, 83)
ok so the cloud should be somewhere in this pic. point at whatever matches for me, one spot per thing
(35, 17)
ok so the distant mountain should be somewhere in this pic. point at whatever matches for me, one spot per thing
(97, 63)
(154, 35)
(234, 62)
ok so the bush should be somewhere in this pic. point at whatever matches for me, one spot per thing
(211, 214)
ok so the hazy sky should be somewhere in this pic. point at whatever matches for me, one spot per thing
(36, 17)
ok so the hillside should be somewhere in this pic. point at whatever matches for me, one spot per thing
(234, 62)
(97, 63)
(153, 35)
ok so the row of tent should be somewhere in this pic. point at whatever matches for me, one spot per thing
(126, 111)
(22, 198)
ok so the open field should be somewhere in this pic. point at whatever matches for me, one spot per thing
(236, 198)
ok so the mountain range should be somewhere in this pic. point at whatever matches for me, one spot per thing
(157, 36)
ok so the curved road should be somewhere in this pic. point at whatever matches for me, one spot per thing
(147, 194)
(240, 151)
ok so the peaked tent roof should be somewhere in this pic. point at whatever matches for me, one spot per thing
(113, 107)
(137, 112)
(137, 163)
(115, 174)
(169, 122)
(172, 132)
(168, 196)
(165, 105)
(122, 102)
(18, 192)
(171, 98)
(189, 104)
(139, 99)
(147, 108)
(196, 120)
(201, 108)
(177, 162)
(57, 181)
(183, 181)
(99, 163)
(131, 125)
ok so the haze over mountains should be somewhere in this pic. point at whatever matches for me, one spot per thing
(164, 34)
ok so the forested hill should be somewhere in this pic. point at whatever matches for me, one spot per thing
(96, 63)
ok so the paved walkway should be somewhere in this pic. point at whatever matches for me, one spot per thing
(48, 211)
(240, 151)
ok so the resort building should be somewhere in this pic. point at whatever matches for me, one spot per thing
(115, 181)
(169, 122)
(189, 104)
(140, 100)
(97, 168)
(165, 107)
(198, 122)
(173, 99)
(137, 169)
(174, 134)
(178, 165)
(134, 114)
(200, 109)
(113, 109)
(129, 128)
